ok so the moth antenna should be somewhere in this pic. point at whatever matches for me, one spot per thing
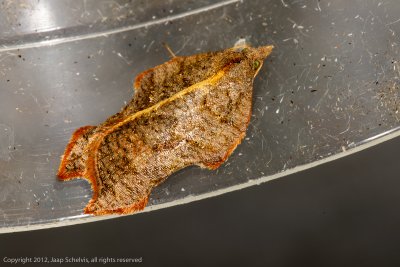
(169, 50)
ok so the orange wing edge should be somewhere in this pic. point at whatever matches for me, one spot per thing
(62, 173)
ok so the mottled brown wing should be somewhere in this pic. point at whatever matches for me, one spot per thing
(200, 125)
(151, 86)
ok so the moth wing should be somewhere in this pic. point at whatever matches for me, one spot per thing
(147, 147)
(151, 87)
(73, 162)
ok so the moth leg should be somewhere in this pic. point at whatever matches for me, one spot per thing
(73, 160)
(172, 54)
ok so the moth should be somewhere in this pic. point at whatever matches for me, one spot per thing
(191, 110)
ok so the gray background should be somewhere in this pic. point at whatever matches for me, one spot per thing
(331, 84)
(343, 213)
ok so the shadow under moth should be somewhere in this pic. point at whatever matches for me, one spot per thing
(191, 110)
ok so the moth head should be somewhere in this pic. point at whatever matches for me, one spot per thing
(257, 56)
(256, 65)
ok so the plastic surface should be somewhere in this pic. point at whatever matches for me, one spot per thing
(331, 84)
